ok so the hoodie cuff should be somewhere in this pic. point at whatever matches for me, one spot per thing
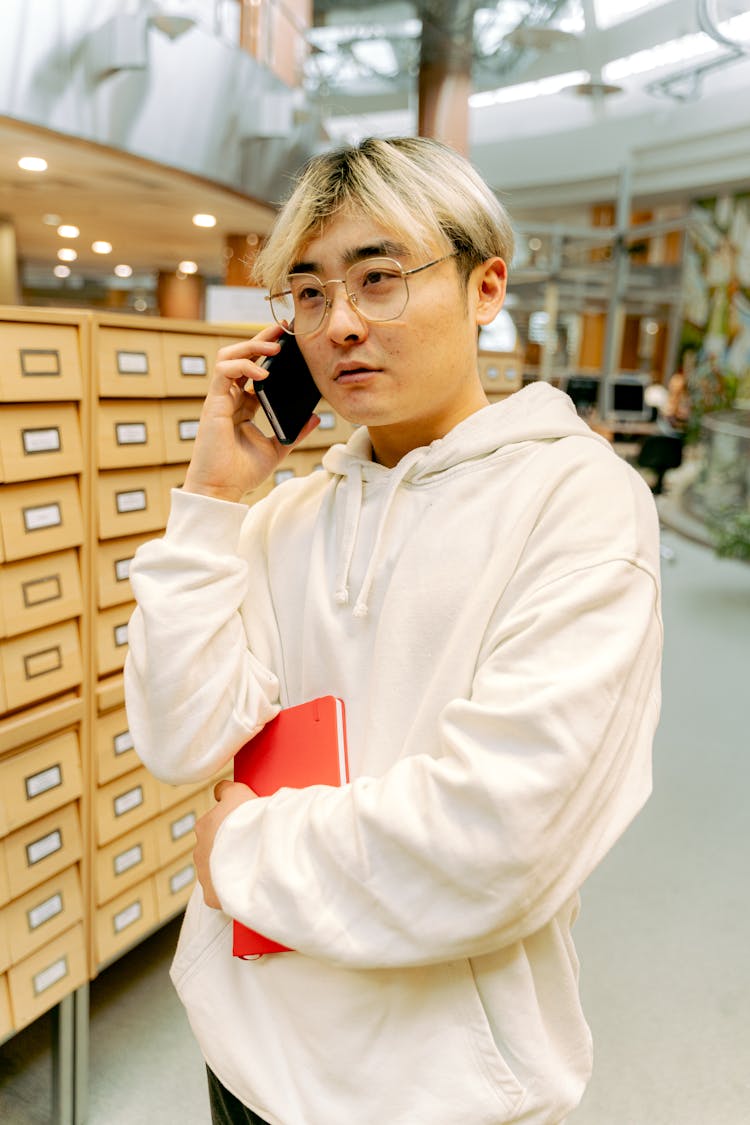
(212, 525)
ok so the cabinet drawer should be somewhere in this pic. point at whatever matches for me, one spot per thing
(39, 441)
(114, 752)
(125, 862)
(39, 363)
(332, 429)
(129, 363)
(175, 829)
(125, 920)
(112, 638)
(40, 591)
(113, 569)
(189, 361)
(123, 804)
(40, 664)
(40, 850)
(6, 1020)
(41, 779)
(180, 418)
(42, 980)
(174, 885)
(41, 914)
(500, 372)
(130, 503)
(37, 519)
(129, 434)
(171, 477)
(298, 463)
(4, 888)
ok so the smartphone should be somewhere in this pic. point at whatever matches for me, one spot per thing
(288, 394)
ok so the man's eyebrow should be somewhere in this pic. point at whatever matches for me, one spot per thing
(383, 249)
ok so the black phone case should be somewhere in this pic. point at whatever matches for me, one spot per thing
(288, 394)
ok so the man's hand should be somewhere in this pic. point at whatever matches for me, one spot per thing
(229, 795)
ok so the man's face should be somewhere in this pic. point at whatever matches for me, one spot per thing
(408, 380)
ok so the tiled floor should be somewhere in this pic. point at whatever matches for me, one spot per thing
(664, 932)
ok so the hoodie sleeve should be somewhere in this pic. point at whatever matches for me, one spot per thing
(185, 720)
(465, 850)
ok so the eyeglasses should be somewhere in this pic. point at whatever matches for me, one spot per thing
(376, 288)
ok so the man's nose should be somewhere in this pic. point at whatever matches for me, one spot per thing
(344, 321)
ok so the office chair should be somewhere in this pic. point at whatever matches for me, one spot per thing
(660, 453)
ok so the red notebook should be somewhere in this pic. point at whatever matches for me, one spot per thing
(303, 745)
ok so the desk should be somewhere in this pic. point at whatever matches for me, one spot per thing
(633, 430)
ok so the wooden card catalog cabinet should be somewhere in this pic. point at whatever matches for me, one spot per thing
(39, 441)
(130, 363)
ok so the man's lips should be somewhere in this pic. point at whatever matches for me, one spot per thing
(353, 372)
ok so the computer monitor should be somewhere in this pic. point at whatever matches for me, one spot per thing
(626, 398)
(583, 390)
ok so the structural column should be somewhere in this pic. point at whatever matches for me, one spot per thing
(10, 289)
(445, 72)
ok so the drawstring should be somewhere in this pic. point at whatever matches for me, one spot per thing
(352, 509)
(362, 606)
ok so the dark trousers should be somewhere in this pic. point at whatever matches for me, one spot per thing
(225, 1108)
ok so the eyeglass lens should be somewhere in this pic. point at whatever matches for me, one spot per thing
(376, 287)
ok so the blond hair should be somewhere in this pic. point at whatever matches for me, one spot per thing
(414, 186)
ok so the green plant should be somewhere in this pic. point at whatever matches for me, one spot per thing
(730, 532)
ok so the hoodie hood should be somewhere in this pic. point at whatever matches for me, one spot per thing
(538, 413)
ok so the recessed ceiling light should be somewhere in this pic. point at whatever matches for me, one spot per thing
(204, 220)
(51, 220)
(187, 267)
(67, 230)
(123, 270)
(67, 254)
(101, 247)
(61, 271)
(33, 164)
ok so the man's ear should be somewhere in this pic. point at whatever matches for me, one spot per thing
(490, 279)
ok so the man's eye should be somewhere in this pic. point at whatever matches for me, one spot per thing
(378, 277)
(308, 293)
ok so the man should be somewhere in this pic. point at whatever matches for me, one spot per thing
(479, 584)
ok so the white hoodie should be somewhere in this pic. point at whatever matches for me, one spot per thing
(489, 612)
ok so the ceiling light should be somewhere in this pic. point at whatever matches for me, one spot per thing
(67, 254)
(101, 247)
(67, 230)
(61, 271)
(123, 271)
(204, 220)
(51, 220)
(33, 164)
(187, 267)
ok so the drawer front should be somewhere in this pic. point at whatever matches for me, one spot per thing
(40, 591)
(175, 833)
(130, 503)
(112, 638)
(40, 915)
(38, 665)
(129, 363)
(113, 569)
(124, 803)
(39, 441)
(180, 419)
(189, 362)
(129, 434)
(125, 920)
(126, 861)
(39, 780)
(332, 429)
(41, 664)
(4, 888)
(42, 980)
(174, 885)
(6, 1019)
(114, 752)
(500, 373)
(298, 463)
(171, 477)
(41, 850)
(37, 519)
(39, 363)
